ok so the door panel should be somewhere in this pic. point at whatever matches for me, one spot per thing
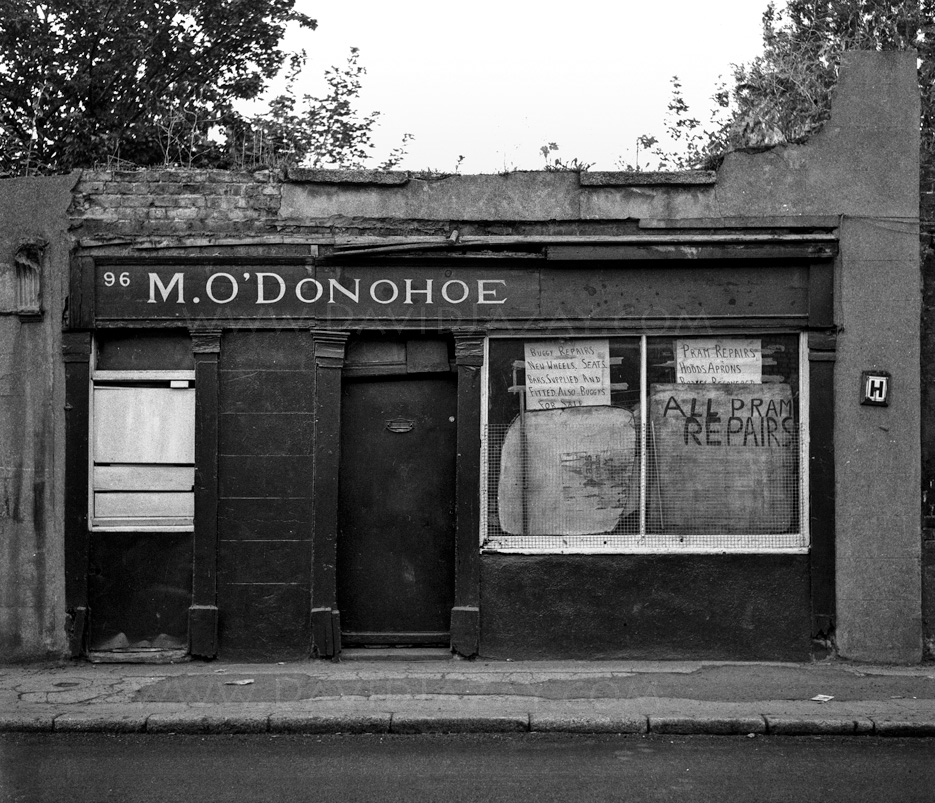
(395, 552)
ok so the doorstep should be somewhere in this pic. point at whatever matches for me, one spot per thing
(402, 654)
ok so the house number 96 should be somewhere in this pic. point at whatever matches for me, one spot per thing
(110, 279)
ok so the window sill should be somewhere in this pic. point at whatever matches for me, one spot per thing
(570, 547)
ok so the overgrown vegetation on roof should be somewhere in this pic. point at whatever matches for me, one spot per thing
(784, 95)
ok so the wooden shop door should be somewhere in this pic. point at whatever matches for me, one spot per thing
(396, 521)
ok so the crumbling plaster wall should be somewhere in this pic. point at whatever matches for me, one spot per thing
(32, 398)
(863, 166)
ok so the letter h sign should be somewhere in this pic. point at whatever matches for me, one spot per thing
(875, 388)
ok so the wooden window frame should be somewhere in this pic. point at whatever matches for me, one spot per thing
(130, 378)
(633, 544)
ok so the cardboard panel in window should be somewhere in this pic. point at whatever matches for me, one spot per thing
(571, 471)
(723, 459)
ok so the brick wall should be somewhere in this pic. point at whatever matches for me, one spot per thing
(139, 203)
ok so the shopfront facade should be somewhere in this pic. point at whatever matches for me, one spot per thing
(343, 450)
(536, 415)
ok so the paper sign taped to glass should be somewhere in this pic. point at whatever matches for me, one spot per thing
(720, 360)
(570, 471)
(567, 373)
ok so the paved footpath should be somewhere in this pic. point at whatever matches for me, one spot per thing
(455, 696)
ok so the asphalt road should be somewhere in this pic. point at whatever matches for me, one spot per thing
(541, 768)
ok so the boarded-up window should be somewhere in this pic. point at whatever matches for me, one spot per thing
(648, 443)
(143, 452)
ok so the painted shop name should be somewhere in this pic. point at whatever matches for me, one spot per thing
(261, 287)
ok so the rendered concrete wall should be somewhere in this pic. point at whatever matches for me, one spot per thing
(877, 449)
(927, 216)
(866, 169)
(32, 598)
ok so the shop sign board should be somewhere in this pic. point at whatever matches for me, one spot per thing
(227, 292)
(567, 373)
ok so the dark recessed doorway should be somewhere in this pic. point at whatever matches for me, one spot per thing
(396, 526)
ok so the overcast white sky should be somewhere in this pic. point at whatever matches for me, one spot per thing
(494, 81)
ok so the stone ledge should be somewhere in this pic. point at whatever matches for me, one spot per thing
(635, 179)
(305, 175)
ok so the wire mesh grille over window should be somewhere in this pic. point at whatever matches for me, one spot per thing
(570, 471)
(700, 446)
(723, 459)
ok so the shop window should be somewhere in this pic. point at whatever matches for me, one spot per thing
(644, 444)
(142, 440)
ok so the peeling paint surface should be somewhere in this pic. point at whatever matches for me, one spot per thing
(31, 426)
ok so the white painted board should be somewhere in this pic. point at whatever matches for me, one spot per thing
(144, 425)
(144, 505)
(144, 478)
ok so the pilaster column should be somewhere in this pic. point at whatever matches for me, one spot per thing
(465, 615)
(203, 614)
(76, 354)
(329, 350)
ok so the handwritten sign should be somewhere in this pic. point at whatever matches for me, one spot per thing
(567, 373)
(722, 360)
(724, 458)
